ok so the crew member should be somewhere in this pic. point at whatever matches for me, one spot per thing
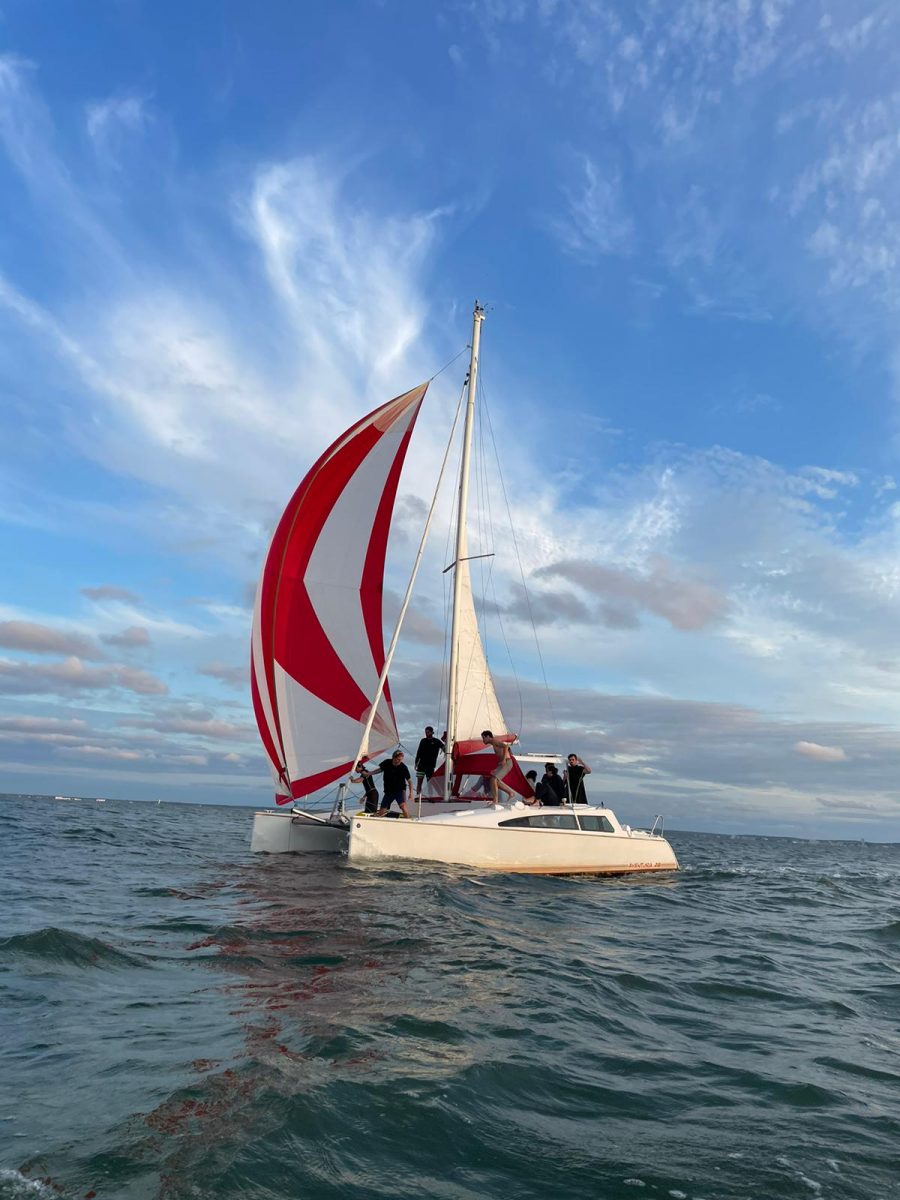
(364, 777)
(397, 784)
(426, 758)
(576, 769)
(503, 767)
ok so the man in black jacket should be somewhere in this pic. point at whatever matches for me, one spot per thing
(554, 784)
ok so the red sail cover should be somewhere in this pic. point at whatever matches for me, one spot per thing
(318, 650)
(484, 763)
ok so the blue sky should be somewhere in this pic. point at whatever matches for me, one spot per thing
(223, 235)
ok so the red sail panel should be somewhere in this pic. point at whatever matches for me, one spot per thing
(318, 647)
(484, 764)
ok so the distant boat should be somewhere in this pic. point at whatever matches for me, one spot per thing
(101, 800)
(62, 797)
(320, 691)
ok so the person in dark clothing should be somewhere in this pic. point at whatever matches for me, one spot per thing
(576, 769)
(426, 758)
(371, 791)
(554, 784)
(397, 784)
(537, 788)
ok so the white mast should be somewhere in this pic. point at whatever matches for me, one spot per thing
(461, 545)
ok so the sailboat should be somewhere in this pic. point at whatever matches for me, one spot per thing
(319, 680)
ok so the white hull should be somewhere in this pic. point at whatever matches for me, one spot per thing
(486, 840)
(284, 832)
(277, 832)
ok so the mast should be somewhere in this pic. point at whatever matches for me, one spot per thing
(461, 545)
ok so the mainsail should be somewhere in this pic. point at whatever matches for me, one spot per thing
(477, 707)
(318, 648)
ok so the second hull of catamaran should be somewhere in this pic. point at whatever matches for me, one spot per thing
(516, 838)
(292, 832)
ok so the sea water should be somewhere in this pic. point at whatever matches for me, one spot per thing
(179, 1018)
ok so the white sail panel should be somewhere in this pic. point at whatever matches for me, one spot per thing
(477, 707)
(314, 732)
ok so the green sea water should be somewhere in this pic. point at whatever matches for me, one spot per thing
(181, 1019)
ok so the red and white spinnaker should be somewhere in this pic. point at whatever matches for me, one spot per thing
(318, 648)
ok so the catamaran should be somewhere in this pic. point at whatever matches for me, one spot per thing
(319, 680)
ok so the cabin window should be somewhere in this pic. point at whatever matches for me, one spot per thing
(544, 820)
(595, 824)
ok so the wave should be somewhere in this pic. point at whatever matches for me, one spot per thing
(16, 1186)
(64, 946)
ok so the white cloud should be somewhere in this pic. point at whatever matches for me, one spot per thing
(820, 753)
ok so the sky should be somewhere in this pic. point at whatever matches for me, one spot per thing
(226, 232)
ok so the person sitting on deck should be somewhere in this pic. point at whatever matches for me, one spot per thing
(503, 767)
(536, 788)
(397, 784)
(364, 777)
(554, 784)
(576, 769)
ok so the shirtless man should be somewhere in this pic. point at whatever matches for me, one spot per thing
(503, 767)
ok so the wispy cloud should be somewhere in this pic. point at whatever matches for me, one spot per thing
(72, 677)
(235, 677)
(596, 222)
(32, 638)
(109, 121)
(136, 636)
(108, 591)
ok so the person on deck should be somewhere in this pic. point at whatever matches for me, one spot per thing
(554, 785)
(364, 777)
(576, 769)
(397, 784)
(503, 767)
(536, 788)
(426, 758)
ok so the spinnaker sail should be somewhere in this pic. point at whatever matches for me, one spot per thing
(318, 648)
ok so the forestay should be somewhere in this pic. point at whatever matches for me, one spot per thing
(318, 648)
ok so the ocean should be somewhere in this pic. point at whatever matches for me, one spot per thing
(180, 1019)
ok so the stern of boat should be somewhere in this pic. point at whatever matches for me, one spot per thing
(291, 832)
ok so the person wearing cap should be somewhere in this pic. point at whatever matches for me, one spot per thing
(397, 784)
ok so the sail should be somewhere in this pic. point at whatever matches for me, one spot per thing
(318, 650)
(477, 707)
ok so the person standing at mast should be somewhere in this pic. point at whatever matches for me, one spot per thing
(426, 758)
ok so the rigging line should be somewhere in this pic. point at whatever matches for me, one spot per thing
(537, 643)
(491, 580)
(450, 363)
